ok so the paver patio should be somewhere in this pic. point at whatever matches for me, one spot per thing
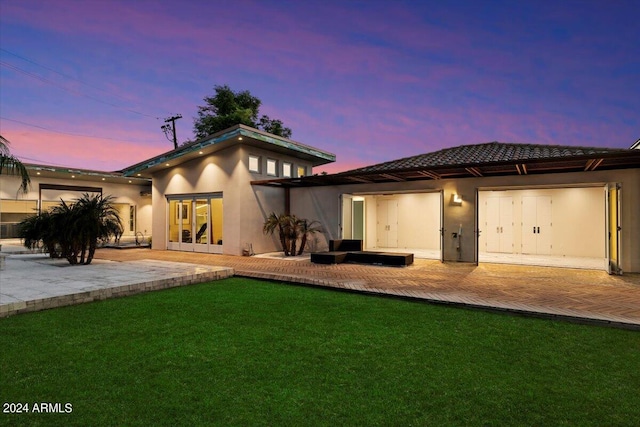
(582, 295)
(35, 282)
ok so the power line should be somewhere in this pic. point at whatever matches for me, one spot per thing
(71, 133)
(62, 74)
(45, 163)
(76, 92)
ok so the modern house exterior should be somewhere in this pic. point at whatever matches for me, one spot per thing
(50, 184)
(495, 202)
(203, 200)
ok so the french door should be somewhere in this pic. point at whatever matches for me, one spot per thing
(195, 223)
(536, 225)
(387, 231)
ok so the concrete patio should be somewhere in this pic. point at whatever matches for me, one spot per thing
(30, 282)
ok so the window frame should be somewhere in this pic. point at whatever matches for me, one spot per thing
(257, 163)
(274, 163)
(286, 165)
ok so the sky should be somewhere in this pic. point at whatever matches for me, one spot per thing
(88, 83)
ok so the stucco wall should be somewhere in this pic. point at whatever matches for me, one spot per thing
(323, 203)
(124, 193)
(245, 206)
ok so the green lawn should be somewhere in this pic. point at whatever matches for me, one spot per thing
(246, 352)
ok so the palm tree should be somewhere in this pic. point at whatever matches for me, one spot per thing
(12, 166)
(73, 230)
(38, 229)
(97, 219)
(64, 217)
(282, 224)
(305, 228)
(290, 230)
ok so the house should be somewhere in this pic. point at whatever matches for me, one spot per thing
(203, 200)
(495, 202)
(50, 184)
(514, 203)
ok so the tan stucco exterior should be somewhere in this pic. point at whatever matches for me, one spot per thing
(324, 204)
(245, 206)
(124, 193)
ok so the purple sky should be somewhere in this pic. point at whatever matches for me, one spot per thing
(370, 81)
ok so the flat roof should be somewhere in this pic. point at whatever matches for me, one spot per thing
(46, 171)
(238, 134)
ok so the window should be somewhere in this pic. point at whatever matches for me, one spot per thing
(132, 218)
(286, 169)
(271, 167)
(302, 171)
(254, 164)
(11, 213)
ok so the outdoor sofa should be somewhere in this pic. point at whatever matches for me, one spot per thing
(349, 250)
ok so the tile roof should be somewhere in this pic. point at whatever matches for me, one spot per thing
(487, 153)
(478, 160)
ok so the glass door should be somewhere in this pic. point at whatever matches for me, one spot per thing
(215, 229)
(175, 224)
(201, 225)
(181, 225)
(195, 223)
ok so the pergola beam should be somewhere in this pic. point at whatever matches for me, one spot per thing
(474, 171)
(392, 177)
(593, 164)
(429, 174)
(358, 179)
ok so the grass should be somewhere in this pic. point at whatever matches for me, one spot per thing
(247, 352)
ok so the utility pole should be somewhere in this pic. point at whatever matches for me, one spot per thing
(171, 127)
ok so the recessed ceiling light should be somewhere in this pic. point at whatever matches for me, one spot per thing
(138, 174)
(37, 173)
(239, 138)
(129, 181)
(167, 164)
(199, 152)
(73, 176)
(103, 179)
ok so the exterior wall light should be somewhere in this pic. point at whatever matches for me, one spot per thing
(456, 199)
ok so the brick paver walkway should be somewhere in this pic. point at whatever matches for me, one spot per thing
(567, 293)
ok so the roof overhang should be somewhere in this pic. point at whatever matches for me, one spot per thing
(602, 161)
(56, 172)
(238, 134)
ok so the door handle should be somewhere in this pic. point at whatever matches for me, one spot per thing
(538, 230)
(534, 230)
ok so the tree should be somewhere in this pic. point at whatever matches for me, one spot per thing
(12, 166)
(291, 229)
(40, 229)
(228, 108)
(73, 231)
(96, 219)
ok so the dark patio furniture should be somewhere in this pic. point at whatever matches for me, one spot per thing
(347, 250)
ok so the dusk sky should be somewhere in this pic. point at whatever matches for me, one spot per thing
(88, 83)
